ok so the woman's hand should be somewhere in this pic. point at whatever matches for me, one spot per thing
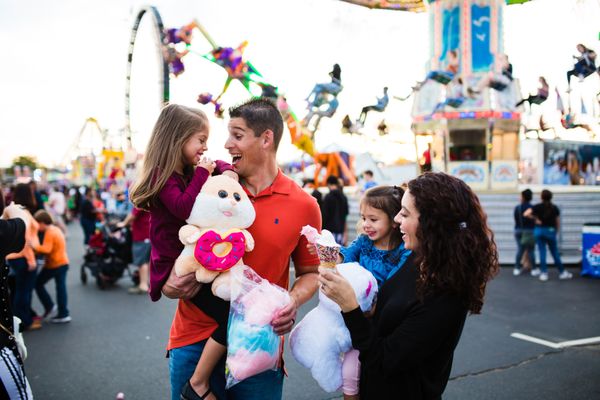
(338, 289)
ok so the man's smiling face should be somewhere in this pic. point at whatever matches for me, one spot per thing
(244, 147)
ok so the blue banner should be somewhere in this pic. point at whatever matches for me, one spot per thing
(450, 32)
(480, 39)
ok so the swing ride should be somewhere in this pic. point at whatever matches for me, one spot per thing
(465, 111)
(466, 121)
(173, 46)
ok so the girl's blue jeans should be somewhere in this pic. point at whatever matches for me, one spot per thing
(546, 236)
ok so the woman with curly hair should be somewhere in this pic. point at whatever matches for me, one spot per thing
(406, 349)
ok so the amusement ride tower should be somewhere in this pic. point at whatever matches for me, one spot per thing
(464, 115)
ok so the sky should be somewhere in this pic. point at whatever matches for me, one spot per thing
(65, 61)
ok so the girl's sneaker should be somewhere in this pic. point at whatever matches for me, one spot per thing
(565, 275)
(535, 272)
(543, 276)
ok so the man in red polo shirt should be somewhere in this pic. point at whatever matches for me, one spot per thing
(282, 209)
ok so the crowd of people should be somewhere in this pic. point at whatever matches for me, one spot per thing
(34, 252)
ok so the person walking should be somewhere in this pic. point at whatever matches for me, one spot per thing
(407, 347)
(56, 265)
(524, 234)
(88, 215)
(282, 209)
(547, 224)
(13, 381)
(369, 180)
(139, 222)
(335, 210)
(57, 205)
(24, 263)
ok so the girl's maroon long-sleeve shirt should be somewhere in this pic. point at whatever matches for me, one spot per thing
(167, 215)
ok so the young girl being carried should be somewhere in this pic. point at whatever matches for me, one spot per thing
(174, 171)
(379, 249)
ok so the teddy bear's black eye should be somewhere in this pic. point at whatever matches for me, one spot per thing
(222, 194)
(237, 197)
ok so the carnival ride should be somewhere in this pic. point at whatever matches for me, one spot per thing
(466, 109)
(173, 44)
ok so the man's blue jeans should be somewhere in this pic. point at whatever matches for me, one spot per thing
(521, 249)
(182, 363)
(547, 236)
(60, 276)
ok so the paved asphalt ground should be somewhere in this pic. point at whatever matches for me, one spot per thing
(116, 343)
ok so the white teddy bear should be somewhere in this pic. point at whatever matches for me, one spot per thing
(319, 341)
(215, 236)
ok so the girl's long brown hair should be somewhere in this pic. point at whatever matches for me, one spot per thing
(175, 125)
(457, 252)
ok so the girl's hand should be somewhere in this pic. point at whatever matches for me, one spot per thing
(207, 164)
(338, 289)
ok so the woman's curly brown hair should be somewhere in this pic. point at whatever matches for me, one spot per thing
(457, 252)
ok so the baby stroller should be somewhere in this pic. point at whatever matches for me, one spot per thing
(108, 255)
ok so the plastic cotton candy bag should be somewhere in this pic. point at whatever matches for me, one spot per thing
(253, 346)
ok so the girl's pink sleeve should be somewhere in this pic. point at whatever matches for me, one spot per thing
(178, 202)
(222, 166)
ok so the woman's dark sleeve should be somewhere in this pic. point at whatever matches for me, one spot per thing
(419, 334)
(216, 308)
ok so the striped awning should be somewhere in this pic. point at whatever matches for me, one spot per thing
(406, 5)
(399, 5)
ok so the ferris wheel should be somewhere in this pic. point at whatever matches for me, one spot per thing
(147, 78)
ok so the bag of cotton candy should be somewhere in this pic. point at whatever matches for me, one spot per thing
(252, 344)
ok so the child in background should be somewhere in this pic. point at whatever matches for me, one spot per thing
(56, 266)
(174, 171)
(379, 249)
(139, 222)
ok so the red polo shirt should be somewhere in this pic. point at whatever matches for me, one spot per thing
(282, 210)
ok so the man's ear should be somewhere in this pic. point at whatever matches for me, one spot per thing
(267, 138)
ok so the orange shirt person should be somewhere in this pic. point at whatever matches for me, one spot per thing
(56, 266)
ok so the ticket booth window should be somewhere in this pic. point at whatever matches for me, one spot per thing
(467, 145)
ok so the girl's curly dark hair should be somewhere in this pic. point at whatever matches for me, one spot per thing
(457, 252)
